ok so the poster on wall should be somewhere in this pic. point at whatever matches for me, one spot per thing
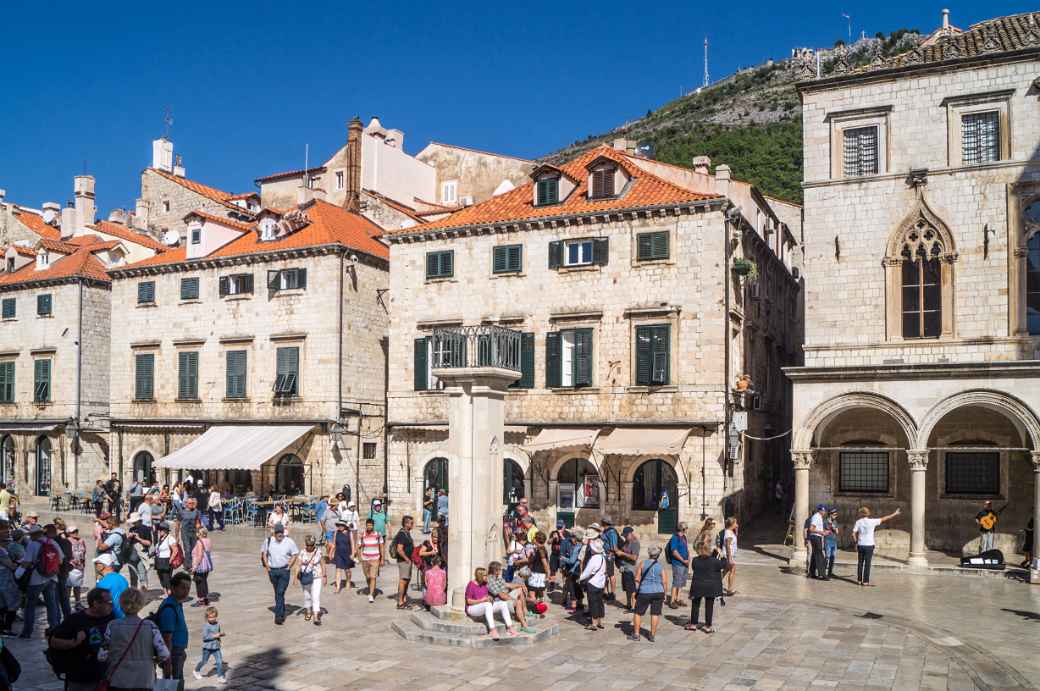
(565, 497)
(588, 491)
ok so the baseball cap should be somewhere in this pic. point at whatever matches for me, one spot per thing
(279, 528)
(595, 526)
(821, 507)
(627, 529)
(105, 559)
(72, 529)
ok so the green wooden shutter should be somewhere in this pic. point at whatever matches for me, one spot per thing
(660, 245)
(301, 279)
(188, 376)
(432, 265)
(660, 359)
(144, 377)
(601, 251)
(553, 359)
(190, 288)
(42, 381)
(421, 368)
(526, 380)
(500, 261)
(43, 305)
(555, 254)
(236, 374)
(644, 247)
(583, 357)
(515, 257)
(223, 286)
(246, 283)
(145, 292)
(288, 370)
(644, 357)
(7, 382)
(9, 308)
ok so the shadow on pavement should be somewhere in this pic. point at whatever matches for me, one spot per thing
(1025, 614)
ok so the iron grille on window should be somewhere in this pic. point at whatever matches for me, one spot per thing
(860, 151)
(976, 473)
(980, 138)
(863, 471)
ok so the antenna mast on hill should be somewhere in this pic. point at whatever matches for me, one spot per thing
(707, 79)
(848, 18)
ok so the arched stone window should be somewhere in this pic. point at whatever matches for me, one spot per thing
(919, 277)
(512, 481)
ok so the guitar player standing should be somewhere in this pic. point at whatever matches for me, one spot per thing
(987, 522)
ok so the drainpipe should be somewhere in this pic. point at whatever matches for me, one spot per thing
(79, 388)
(339, 355)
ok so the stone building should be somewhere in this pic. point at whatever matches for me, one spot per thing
(254, 354)
(613, 267)
(922, 206)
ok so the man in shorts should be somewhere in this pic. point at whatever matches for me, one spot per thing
(402, 550)
(370, 554)
(627, 562)
(679, 557)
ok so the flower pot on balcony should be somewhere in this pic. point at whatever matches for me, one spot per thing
(742, 267)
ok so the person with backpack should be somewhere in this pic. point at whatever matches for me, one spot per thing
(402, 548)
(134, 644)
(135, 551)
(172, 626)
(678, 555)
(113, 541)
(111, 580)
(594, 579)
(627, 558)
(66, 567)
(611, 546)
(202, 567)
(73, 646)
(568, 561)
(651, 585)
(39, 573)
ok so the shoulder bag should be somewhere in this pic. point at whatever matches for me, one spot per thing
(105, 683)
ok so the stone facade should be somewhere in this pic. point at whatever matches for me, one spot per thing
(870, 380)
(477, 174)
(166, 199)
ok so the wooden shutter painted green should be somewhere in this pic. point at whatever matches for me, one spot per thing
(7, 382)
(660, 373)
(301, 279)
(144, 376)
(145, 292)
(652, 246)
(245, 283)
(421, 369)
(43, 305)
(440, 264)
(601, 251)
(223, 285)
(583, 357)
(552, 359)
(190, 288)
(288, 370)
(508, 259)
(188, 376)
(526, 380)
(548, 191)
(42, 381)
(236, 374)
(644, 355)
(9, 308)
(555, 254)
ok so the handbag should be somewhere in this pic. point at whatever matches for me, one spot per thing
(105, 683)
(168, 685)
(307, 577)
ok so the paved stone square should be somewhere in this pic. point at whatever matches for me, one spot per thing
(780, 632)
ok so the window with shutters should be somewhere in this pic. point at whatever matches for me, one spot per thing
(577, 253)
(187, 376)
(507, 259)
(450, 192)
(190, 288)
(440, 264)
(236, 374)
(860, 151)
(41, 381)
(292, 279)
(980, 138)
(547, 190)
(972, 473)
(236, 284)
(287, 372)
(44, 304)
(653, 355)
(146, 293)
(526, 380)
(196, 235)
(652, 246)
(568, 358)
(144, 377)
(9, 308)
(601, 183)
(7, 381)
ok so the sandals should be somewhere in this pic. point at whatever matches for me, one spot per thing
(493, 633)
(692, 627)
(708, 629)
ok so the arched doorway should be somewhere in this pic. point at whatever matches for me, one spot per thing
(43, 466)
(7, 460)
(577, 487)
(143, 467)
(512, 482)
(288, 475)
(435, 475)
(652, 479)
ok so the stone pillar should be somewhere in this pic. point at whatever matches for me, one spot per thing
(802, 461)
(918, 459)
(1034, 565)
(476, 428)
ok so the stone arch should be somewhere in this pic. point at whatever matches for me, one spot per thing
(1020, 414)
(920, 222)
(419, 473)
(858, 399)
(594, 459)
(638, 461)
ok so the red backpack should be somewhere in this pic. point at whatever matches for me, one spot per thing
(49, 562)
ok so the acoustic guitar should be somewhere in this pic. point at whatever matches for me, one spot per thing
(989, 521)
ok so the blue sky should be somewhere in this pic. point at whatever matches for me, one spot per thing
(250, 83)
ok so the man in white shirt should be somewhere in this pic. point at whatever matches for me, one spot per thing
(348, 514)
(864, 533)
(278, 553)
(817, 566)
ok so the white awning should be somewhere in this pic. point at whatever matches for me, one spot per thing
(234, 447)
(639, 441)
(563, 438)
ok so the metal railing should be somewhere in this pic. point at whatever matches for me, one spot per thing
(475, 346)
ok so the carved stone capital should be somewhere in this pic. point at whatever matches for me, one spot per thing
(918, 459)
(802, 459)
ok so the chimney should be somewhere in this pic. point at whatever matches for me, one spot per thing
(141, 214)
(352, 202)
(68, 221)
(304, 194)
(85, 207)
(162, 154)
(3, 195)
(702, 165)
(722, 179)
(51, 213)
(945, 19)
(178, 166)
(117, 216)
(627, 146)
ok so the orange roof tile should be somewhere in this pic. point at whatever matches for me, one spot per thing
(60, 246)
(124, 233)
(80, 264)
(229, 222)
(329, 225)
(23, 250)
(206, 191)
(644, 190)
(35, 223)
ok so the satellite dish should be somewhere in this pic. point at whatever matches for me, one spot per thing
(171, 238)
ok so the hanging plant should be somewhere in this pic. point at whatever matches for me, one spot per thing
(745, 268)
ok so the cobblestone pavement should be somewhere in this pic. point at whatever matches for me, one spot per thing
(780, 632)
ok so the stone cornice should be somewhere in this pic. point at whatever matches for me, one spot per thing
(960, 370)
(45, 283)
(932, 172)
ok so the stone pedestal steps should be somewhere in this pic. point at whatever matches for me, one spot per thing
(444, 627)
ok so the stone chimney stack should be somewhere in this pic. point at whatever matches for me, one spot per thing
(68, 221)
(86, 210)
(352, 202)
(178, 166)
(702, 165)
(51, 212)
(722, 178)
(627, 146)
(946, 19)
(141, 214)
(162, 154)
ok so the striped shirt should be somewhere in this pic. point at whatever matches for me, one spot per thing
(370, 543)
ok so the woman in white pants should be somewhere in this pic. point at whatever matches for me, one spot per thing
(480, 603)
(311, 576)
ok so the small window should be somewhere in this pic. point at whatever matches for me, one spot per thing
(568, 358)
(368, 450)
(43, 305)
(602, 182)
(980, 138)
(190, 288)
(339, 180)
(236, 284)
(440, 264)
(653, 350)
(188, 376)
(863, 471)
(7, 381)
(860, 151)
(236, 374)
(974, 473)
(287, 371)
(314, 182)
(41, 381)
(548, 191)
(577, 253)
(9, 308)
(196, 235)
(450, 192)
(146, 293)
(144, 376)
(508, 259)
(652, 246)
(166, 206)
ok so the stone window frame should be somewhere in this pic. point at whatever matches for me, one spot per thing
(636, 233)
(959, 106)
(840, 121)
(853, 442)
(1004, 479)
(663, 316)
(1019, 198)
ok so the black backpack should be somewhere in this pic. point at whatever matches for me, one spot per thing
(61, 661)
(154, 616)
(125, 550)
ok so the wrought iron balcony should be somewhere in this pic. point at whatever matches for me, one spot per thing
(475, 346)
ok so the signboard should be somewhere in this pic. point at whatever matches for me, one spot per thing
(740, 420)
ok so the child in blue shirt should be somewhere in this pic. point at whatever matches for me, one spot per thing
(211, 636)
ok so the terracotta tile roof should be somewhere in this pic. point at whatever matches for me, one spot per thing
(397, 206)
(35, 223)
(999, 35)
(291, 173)
(130, 235)
(213, 193)
(517, 205)
(229, 222)
(24, 251)
(60, 246)
(80, 264)
(243, 195)
(329, 225)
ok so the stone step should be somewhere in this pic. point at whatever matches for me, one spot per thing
(459, 627)
(412, 631)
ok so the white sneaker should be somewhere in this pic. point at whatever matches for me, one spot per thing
(222, 679)
(371, 599)
(197, 673)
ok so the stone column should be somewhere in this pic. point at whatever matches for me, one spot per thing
(802, 460)
(476, 428)
(918, 459)
(1034, 565)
